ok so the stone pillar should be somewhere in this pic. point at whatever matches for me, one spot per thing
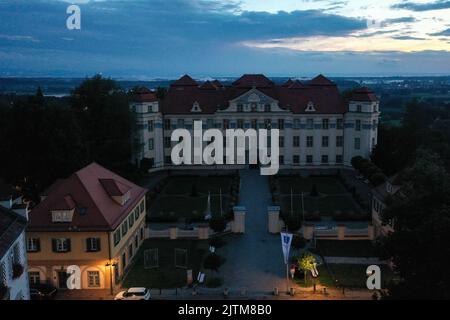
(173, 233)
(239, 220)
(308, 231)
(341, 232)
(273, 215)
(203, 232)
(371, 232)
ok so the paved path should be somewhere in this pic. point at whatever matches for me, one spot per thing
(254, 260)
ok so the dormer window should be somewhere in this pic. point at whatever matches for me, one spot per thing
(117, 190)
(310, 107)
(62, 216)
(240, 107)
(267, 107)
(196, 107)
(358, 108)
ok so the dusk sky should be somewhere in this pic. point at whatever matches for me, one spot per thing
(144, 39)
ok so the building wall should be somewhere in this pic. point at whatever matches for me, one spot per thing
(18, 287)
(48, 263)
(364, 113)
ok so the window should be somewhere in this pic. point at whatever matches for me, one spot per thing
(374, 125)
(281, 159)
(151, 145)
(61, 245)
(168, 159)
(254, 107)
(358, 125)
(325, 124)
(324, 159)
(167, 142)
(180, 123)
(226, 124)
(142, 234)
(92, 244)
(240, 124)
(142, 207)
(309, 124)
(124, 228)
(309, 159)
(130, 220)
(34, 277)
(117, 237)
(325, 141)
(358, 108)
(254, 124)
(309, 141)
(339, 141)
(296, 124)
(339, 159)
(210, 123)
(339, 124)
(150, 125)
(33, 245)
(267, 108)
(267, 123)
(93, 279)
(167, 124)
(281, 124)
(240, 107)
(357, 143)
(137, 211)
(296, 141)
(296, 159)
(281, 142)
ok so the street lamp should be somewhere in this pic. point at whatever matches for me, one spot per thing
(111, 264)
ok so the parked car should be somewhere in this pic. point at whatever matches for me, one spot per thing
(134, 294)
(42, 292)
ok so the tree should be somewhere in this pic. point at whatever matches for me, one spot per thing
(218, 224)
(420, 245)
(306, 263)
(213, 262)
(377, 179)
(356, 162)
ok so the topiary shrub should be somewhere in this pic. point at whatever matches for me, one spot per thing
(218, 224)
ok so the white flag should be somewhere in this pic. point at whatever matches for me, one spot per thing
(286, 239)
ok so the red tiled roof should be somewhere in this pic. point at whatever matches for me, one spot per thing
(185, 81)
(326, 98)
(85, 190)
(253, 80)
(144, 94)
(288, 83)
(321, 80)
(364, 94)
(208, 85)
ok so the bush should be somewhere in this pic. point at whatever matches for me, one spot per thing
(314, 192)
(217, 242)
(218, 224)
(356, 162)
(371, 170)
(214, 282)
(213, 262)
(377, 179)
(298, 242)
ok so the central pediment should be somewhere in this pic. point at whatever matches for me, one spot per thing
(253, 100)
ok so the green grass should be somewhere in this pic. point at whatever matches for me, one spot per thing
(175, 201)
(204, 184)
(166, 275)
(334, 200)
(359, 249)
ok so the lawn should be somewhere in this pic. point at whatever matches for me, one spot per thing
(166, 275)
(333, 199)
(347, 275)
(359, 249)
(186, 198)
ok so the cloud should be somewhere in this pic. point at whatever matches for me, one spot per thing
(445, 33)
(415, 6)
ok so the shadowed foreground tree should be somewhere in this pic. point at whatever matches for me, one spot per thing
(420, 245)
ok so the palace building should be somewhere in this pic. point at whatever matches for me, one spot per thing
(319, 127)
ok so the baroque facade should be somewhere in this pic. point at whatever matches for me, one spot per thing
(318, 126)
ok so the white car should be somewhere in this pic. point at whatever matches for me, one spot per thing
(134, 294)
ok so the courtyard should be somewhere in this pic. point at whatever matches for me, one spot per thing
(185, 197)
(324, 197)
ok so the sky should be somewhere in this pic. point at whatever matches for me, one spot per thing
(147, 39)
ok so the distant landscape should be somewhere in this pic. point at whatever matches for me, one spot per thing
(394, 92)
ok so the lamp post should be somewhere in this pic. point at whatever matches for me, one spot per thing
(111, 265)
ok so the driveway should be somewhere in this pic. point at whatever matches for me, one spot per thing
(254, 260)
